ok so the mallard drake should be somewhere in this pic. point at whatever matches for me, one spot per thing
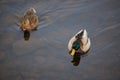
(29, 20)
(79, 43)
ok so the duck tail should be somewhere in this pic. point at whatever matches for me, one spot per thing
(33, 10)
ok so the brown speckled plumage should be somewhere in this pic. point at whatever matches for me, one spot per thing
(29, 20)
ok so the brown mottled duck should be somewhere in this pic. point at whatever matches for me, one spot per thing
(29, 22)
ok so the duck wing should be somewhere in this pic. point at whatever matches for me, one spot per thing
(33, 21)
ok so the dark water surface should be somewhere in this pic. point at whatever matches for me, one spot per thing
(45, 55)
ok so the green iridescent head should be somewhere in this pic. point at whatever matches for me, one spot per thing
(76, 45)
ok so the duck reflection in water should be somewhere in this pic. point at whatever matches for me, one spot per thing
(76, 59)
(26, 35)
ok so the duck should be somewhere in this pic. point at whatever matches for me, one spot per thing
(79, 43)
(29, 21)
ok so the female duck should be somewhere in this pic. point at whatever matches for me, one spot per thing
(79, 43)
(29, 20)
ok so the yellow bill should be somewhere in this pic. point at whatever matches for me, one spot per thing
(73, 52)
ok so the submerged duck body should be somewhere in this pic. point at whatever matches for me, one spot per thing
(29, 20)
(79, 43)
